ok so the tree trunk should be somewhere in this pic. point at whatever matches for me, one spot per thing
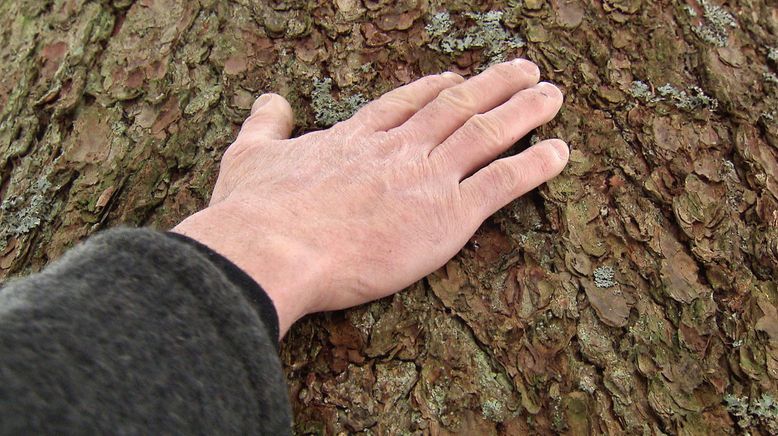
(635, 293)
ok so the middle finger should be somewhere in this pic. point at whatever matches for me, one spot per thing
(455, 105)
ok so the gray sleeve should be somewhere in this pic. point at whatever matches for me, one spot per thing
(139, 332)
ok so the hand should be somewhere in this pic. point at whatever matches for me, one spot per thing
(347, 215)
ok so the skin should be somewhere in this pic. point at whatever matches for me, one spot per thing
(344, 216)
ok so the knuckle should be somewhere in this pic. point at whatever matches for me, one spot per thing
(345, 128)
(527, 67)
(486, 128)
(439, 81)
(387, 142)
(226, 161)
(372, 110)
(383, 143)
(435, 81)
(235, 151)
(402, 141)
(544, 159)
(458, 97)
(505, 177)
(505, 72)
(394, 102)
(232, 151)
(248, 121)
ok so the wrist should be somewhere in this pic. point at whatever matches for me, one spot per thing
(289, 273)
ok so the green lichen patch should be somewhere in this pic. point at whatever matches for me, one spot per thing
(485, 32)
(327, 109)
(772, 54)
(22, 214)
(439, 25)
(694, 98)
(603, 277)
(204, 100)
(484, 383)
(762, 411)
(716, 23)
(642, 91)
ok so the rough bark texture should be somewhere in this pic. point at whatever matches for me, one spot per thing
(636, 293)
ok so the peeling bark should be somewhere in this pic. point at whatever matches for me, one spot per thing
(635, 293)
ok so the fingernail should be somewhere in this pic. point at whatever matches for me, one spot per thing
(527, 66)
(450, 75)
(264, 98)
(562, 149)
(549, 89)
(546, 85)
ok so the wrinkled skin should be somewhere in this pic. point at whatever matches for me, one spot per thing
(347, 215)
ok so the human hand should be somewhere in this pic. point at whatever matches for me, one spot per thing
(343, 216)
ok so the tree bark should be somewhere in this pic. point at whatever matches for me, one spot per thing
(635, 293)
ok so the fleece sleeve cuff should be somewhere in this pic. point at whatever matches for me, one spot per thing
(251, 290)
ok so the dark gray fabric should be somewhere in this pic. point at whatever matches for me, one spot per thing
(135, 332)
(251, 290)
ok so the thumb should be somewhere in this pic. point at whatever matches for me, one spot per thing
(271, 118)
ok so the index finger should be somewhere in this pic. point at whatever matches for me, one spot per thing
(455, 105)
